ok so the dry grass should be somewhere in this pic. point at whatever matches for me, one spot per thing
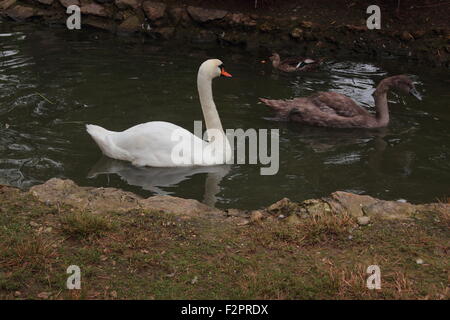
(327, 228)
(155, 255)
(84, 224)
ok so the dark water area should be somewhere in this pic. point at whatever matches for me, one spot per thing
(53, 82)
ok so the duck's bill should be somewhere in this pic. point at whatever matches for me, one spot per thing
(415, 94)
(225, 74)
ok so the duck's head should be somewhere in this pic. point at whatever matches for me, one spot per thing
(274, 57)
(213, 68)
(405, 85)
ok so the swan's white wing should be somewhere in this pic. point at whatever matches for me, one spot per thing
(152, 143)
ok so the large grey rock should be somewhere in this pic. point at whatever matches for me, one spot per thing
(130, 24)
(58, 191)
(205, 15)
(5, 4)
(21, 13)
(345, 202)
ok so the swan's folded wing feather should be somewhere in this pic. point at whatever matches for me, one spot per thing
(339, 104)
(306, 111)
(151, 143)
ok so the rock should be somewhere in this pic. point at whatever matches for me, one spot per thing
(176, 14)
(5, 4)
(280, 205)
(67, 3)
(124, 4)
(94, 9)
(204, 15)
(20, 13)
(362, 221)
(314, 207)
(154, 10)
(179, 206)
(102, 200)
(390, 209)
(243, 222)
(256, 216)
(47, 2)
(345, 202)
(293, 219)
(44, 295)
(297, 33)
(130, 24)
(236, 38)
(234, 212)
(240, 19)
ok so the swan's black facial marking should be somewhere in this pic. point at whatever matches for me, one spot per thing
(223, 72)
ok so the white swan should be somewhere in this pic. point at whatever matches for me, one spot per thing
(155, 143)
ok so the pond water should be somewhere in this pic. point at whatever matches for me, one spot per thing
(53, 82)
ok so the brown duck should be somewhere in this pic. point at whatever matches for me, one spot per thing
(294, 64)
(331, 109)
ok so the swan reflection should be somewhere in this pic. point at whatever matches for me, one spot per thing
(154, 179)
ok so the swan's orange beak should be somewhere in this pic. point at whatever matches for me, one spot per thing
(225, 74)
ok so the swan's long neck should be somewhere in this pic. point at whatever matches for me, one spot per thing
(381, 104)
(209, 109)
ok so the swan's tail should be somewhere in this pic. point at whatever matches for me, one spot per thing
(282, 107)
(278, 105)
(100, 137)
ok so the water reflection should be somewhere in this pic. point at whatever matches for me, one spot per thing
(156, 179)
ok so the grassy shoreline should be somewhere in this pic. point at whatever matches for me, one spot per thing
(144, 254)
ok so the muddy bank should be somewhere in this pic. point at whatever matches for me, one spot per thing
(56, 192)
(418, 32)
